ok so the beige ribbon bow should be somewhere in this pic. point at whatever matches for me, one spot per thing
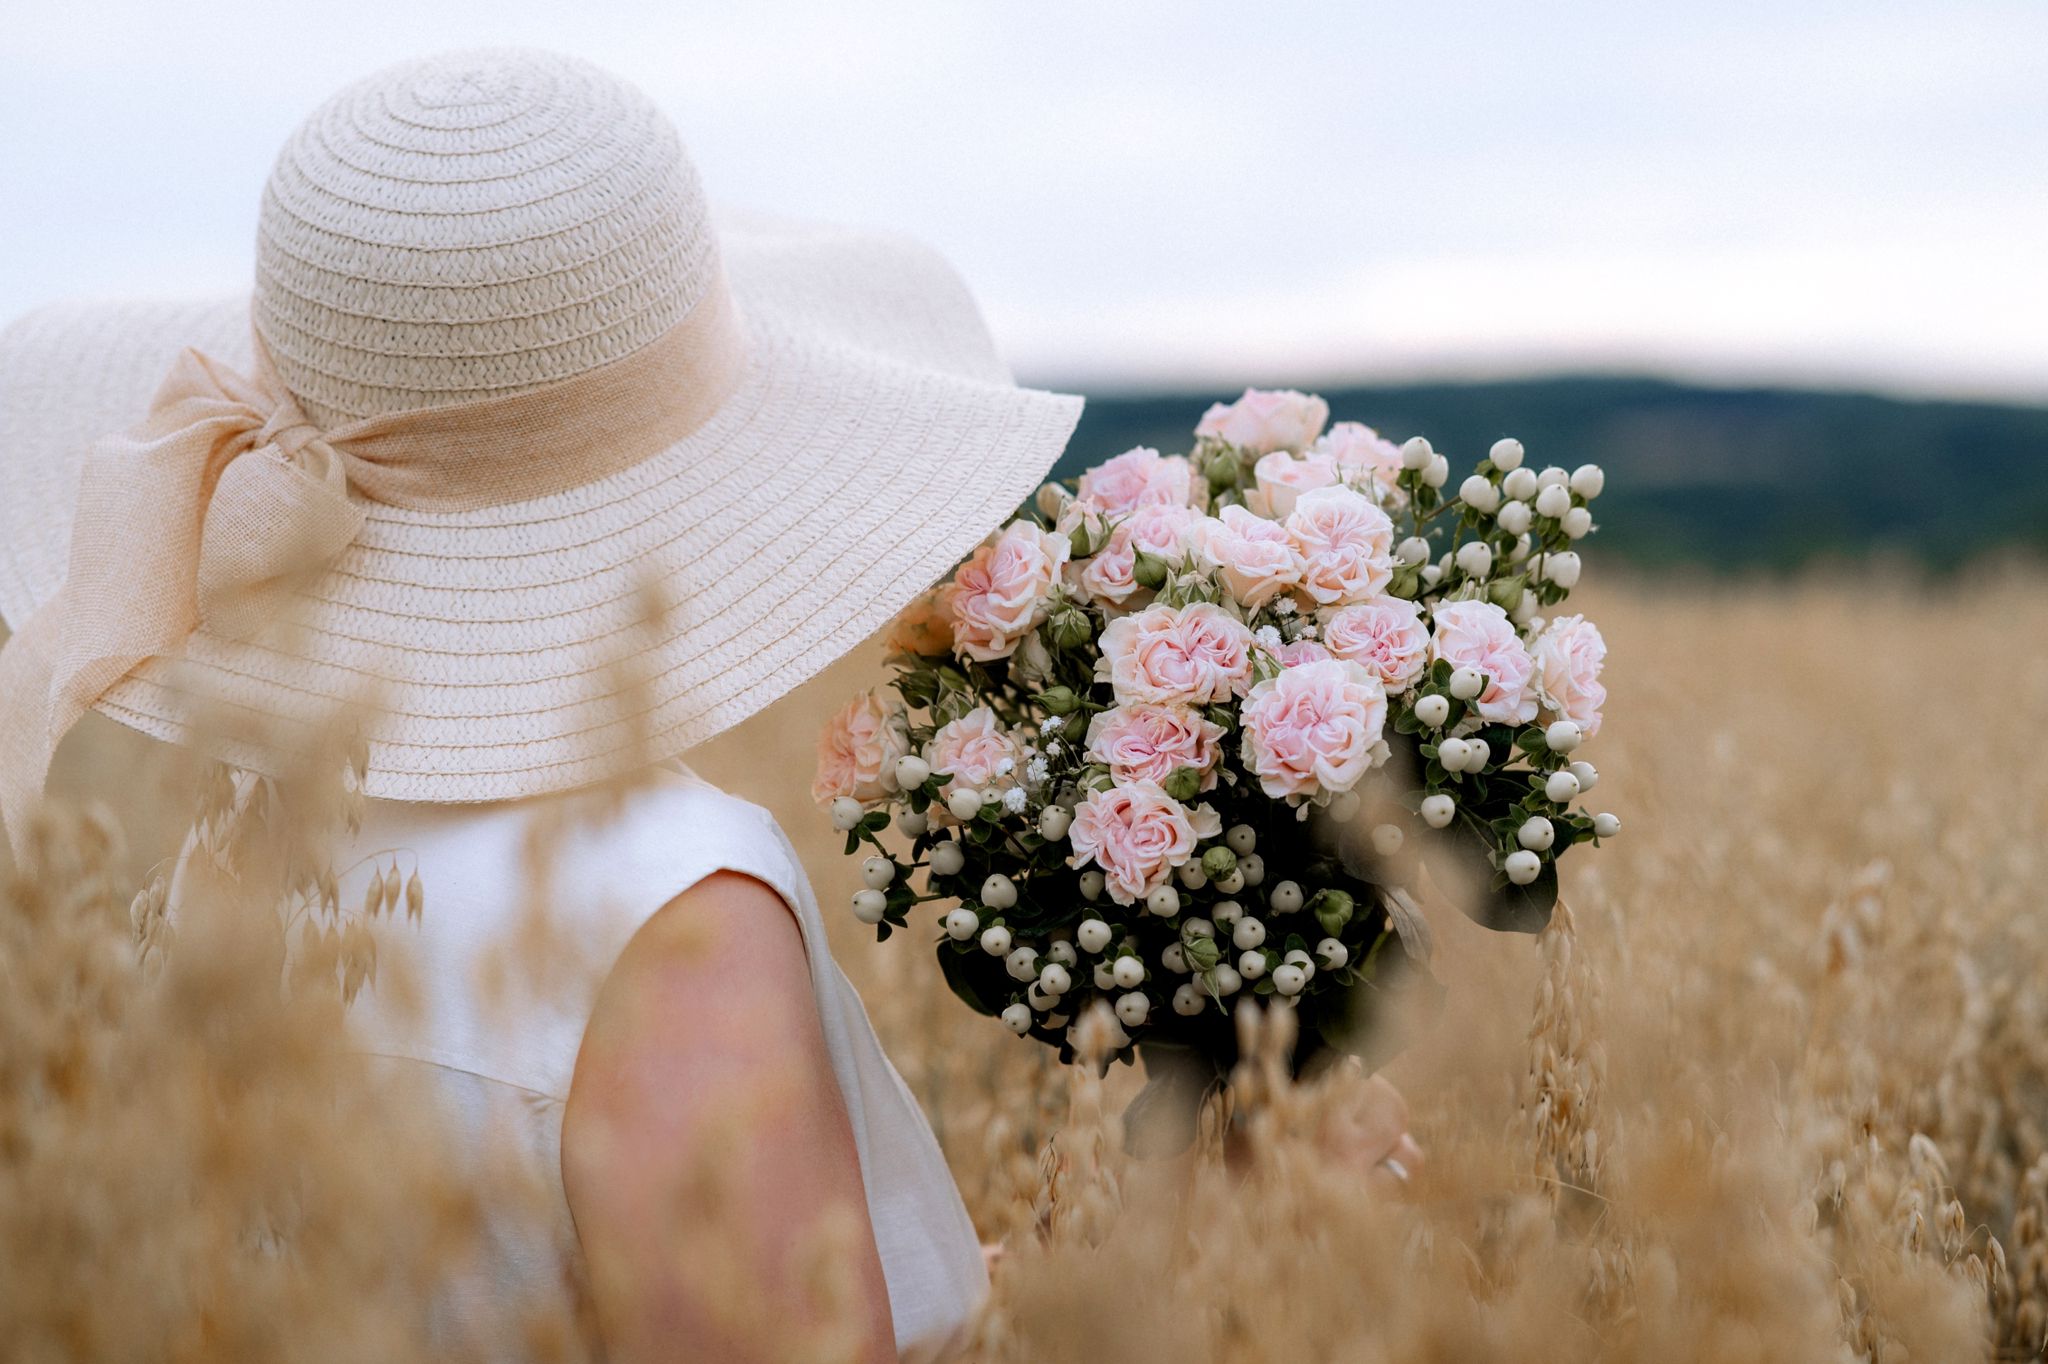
(226, 500)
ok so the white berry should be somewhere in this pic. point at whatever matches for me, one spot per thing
(1563, 736)
(995, 940)
(999, 892)
(912, 771)
(1411, 551)
(1520, 484)
(1433, 710)
(1252, 965)
(1577, 523)
(1552, 477)
(1506, 454)
(1165, 902)
(1553, 502)
(948, 858)
(913, 822)
(1453, 754)
(1477, 754)
(1288, 979)
(1285, 898)
(1174, 958)
(1587, 774)
(960, 924)
(1438, 810)
(1514, 517)
(1105, 975)
(1017, 1018)
(1437, 472)
(1063, 953)
(1522, 867)
(1416, 453)
(1242, 838)
(1092, 934)
(1247, 933)
(1536, 833)
(1475, 559)
(965, 803)
(1133, 1009)
(1387, 839)
(1561, 788)
(1562, 568)
(1196, 927)
(869, 906)
(1129, 972)
(1606, 825)
(1189, 999)
(877, 872)
(1225, 978)
(1054, 821)
(846, 812)
(1467, 683)
(1227, 913)
(1254, 869)
(1022, 964)
(1054, 979)
(1478, 493)
(1333, 954)
(1091, 885)
(1587, 481)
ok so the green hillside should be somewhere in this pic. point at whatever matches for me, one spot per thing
(1721, 478)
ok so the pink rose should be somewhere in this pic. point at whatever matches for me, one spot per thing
(1266, 419)
(999, 596)
(1568, 659)
(1110, 574)
(1195, 654)
(1384, 636)
(857, 753)
(1298, 652)
(1346, 545)
(974, 751)
(1137, 835)
(1361, 454)
(1139, 478)
(1283, 477)
(1313, 728)
(924, 627)
(1479, 635)
(1257, 560)
(1147, 743)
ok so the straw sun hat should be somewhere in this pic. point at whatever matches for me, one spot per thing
(784, 431)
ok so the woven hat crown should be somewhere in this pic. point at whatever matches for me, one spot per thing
(473, 225)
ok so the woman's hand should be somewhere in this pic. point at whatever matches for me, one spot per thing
(1365, 1125)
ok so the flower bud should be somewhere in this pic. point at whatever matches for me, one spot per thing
(999, 892)
(995, 940)
(1467, 683)
(1129, 972)
(1453, 754)
(1411, 551)
(877, 872)
(965, 803)
(1071, 628)
(1587, 481)
(1506, 454)
(1189, 1000)
(1059, 700)
(1285, 898)
(1562, 736)
(1201, 954)
(1577, 523)
(1437, 472)
(1247, 933)
(1051, 500)
(1017, 1018)
(1415, 453)
(846, 812)
(1606, 825)
(1148, 570)
(1093, 935)
(1522, 867)
(1536, 834)
(1091, 885)
(1288, 979)
(1478, 493)
(1183, 783)
(1053, 822)
(869, 906)
(1219, 862)
(1333, 910)
(1433, 710)
(1164, 902)
(1133, 1009)
(1587, 774)
(1252, 965)
(1520, 485)
(1514, 518)
(961, 923)
(1022, 963)
(1241, 838)
(1553, 502)
(1475, 558)
(1562, 788)
(1438, 810)
(1562, 568)
(948, 858)
(1332, 954)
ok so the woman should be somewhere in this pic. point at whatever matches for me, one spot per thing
(526, 455)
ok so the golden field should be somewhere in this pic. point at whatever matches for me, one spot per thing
(1775, 1088)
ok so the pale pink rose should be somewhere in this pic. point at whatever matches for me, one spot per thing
(924, 627)
(1569, 655)
(1282, 477)
(1195, 655)
(1313, 729)
(1000, 595)
(1109, 574)
(1384, 636)
(974, 751)
(1139, 478)
(1300, 651)
(1137, 835)
(1147, 743)
(1479, 635)
(1266, 419)
(857, 753)
(1257, 560)
(1361, 454)
(1346, 545)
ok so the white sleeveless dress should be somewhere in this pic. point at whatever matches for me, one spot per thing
(502, 1059)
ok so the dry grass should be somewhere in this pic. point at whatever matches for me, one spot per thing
(1776, 1087)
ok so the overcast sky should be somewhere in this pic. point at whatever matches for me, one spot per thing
(1854, 193)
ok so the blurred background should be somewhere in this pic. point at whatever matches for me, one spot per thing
(1779, 267)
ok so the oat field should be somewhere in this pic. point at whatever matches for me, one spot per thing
(1773, 1087)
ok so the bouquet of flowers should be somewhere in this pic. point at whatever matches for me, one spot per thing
(1191, 727)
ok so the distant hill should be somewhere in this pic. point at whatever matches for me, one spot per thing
(1721, 478)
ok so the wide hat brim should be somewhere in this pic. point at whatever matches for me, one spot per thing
(533, 647)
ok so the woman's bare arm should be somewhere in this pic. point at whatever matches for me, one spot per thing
(706, 1151)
